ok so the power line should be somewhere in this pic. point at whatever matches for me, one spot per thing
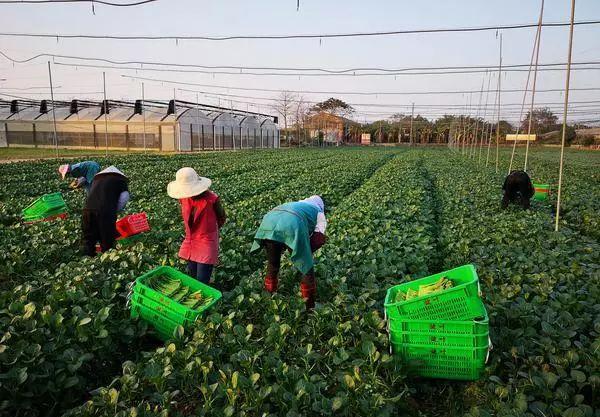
(242, 68)
(307, 74)
(273, 37)
(383, 93)
(106, 3)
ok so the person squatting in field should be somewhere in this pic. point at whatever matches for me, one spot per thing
(83, 172)
(300, 228)
(517, 189)
(108, 195)
(203, 216)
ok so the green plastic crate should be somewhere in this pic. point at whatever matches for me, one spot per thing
(541, 191)
(443, 362)
(45, 206)
(150, 304)
(460, 302)
(130, 240)
(164, 326)
(444, 333)
(174, 309)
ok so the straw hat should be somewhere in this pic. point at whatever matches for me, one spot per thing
(63, 170)
(111, 170)
(187, 184)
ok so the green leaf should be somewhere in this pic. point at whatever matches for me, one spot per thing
(349, 381)
(113, 396)
(84, 321)
(336, 404)
(254, 378)
(578, 376)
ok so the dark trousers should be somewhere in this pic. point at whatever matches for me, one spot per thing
(274, 251)
(201, 272)
(515, 197)
(97, 227)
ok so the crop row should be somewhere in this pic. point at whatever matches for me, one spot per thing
(262, 355)
(542, 290)
(66, 328)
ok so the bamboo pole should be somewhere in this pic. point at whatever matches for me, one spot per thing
(53, 112)
(565, 111)
(499, 100)
(537, 55)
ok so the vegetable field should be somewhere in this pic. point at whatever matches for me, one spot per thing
(68, 345)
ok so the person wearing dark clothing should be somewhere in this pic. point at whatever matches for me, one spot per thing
(517, 189)
(108, 195)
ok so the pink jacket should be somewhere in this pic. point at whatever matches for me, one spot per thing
(201, 243)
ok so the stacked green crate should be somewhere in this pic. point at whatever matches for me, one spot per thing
(180, 300)
(49, 205)
(444, 334)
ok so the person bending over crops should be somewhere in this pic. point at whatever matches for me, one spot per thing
(83, 172)
(300, 228)
(108, 195)
(517, 189)
(203, 215)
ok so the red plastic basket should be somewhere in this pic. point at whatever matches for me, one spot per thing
(133, 224)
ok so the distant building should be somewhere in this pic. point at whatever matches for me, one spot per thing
(165, 126)
(332, 128)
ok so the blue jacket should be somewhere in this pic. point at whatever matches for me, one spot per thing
(291, 224)
(85, 169)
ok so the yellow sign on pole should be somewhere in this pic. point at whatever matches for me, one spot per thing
(521, 137)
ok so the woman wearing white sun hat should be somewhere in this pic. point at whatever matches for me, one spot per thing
(203, 215)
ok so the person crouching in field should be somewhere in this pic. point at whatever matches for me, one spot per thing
(517, 189)
(203, 216)
(300, 228)
(108, 195)
(83, 172)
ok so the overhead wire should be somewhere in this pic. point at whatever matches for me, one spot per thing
(104, 2)
(272, 37)
(267, 68)
(308, 74)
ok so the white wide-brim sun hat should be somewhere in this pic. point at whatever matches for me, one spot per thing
(187, 184)
(111, 170)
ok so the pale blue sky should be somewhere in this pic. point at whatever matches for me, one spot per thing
(224, 17)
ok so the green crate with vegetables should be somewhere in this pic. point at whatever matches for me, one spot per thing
(182, 295)
(46, 206)
(163, 326)
(449, 295)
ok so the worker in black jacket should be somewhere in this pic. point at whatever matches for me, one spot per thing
(108, 195)
(517, 189)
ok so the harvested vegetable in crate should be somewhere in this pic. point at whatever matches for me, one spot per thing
(177, 291)
(442, 284)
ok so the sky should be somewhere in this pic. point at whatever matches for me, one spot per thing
(275, 17)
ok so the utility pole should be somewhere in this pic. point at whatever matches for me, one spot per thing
(564, 127)
(105, 113)
(53, 112)
(412, 116)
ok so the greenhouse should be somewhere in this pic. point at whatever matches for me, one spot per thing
(176, 126)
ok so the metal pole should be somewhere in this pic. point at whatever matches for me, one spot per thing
(144, 116)
(198, 120)
(499, 98)
(105, 113)
(489, 142)
(53, 112)
(484, 129)
(537, 55)
(566, 108)
(412, 115)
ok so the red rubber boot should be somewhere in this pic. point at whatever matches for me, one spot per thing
(308, 288)
(271, 284)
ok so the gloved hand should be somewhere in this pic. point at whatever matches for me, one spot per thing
(317, 240)
(77, 183)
